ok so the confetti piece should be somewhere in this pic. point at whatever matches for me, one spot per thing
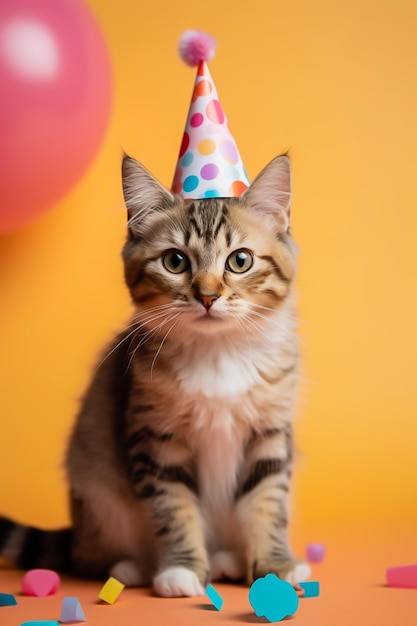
(71, 611)
(315, 552)
(40, 582)
(311, 589)
(215, 597)
(111, 590)
(273, 598)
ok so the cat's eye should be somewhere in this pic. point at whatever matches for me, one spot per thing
(239, 261)
(175, 262)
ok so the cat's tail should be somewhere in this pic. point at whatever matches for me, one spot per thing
(27, 547)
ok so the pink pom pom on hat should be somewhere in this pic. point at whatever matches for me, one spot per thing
(195, 46)
(209, 163)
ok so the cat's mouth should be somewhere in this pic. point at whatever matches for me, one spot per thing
(209, 319)
(208, 316)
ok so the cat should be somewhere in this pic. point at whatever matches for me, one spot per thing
(179, 464)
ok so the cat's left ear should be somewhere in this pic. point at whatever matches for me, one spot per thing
(143, 193)
(271, 192)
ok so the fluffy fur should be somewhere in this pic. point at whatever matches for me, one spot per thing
(179, 463)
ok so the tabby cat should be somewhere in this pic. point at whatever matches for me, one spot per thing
(179, 463)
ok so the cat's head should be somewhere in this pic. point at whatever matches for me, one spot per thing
(212, 265)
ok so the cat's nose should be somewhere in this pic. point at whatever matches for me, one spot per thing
(207, 300)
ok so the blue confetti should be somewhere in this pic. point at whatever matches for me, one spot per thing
(41, 623)
(311, 589)
(7, 599)
(273, 598)
(215, 598)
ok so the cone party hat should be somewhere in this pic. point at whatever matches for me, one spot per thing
(209, 163)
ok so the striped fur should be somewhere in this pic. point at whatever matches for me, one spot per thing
(180, 461)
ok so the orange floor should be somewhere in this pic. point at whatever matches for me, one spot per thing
(352, 579)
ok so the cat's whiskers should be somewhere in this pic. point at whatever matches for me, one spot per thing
(280, 327)
(291, 316)
(145, 321)
(116, 347)
(259, 328)
(136, 324)
(270, 319)
(141, 314)
(255, 326)
(175, 318)
(153, 332)
(167, 312)
(146, 336)
(239, 322)
(269, 309)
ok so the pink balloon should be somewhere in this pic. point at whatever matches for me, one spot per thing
(55, 100)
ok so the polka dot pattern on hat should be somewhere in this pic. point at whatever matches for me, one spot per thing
(209, 163)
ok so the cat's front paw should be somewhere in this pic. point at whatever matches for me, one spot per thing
(176, 582)
(297, 572)
(291, 570)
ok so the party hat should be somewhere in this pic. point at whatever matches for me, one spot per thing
(209, 163)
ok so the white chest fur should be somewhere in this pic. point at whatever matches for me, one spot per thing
(217, 370)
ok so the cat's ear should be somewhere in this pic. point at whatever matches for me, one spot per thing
(143, 193)
(270, 193)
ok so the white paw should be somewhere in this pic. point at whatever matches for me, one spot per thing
(227, 564)
(128, 573)
(176, 582)
(299, 574)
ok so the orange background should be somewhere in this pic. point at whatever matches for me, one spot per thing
(333, 82)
